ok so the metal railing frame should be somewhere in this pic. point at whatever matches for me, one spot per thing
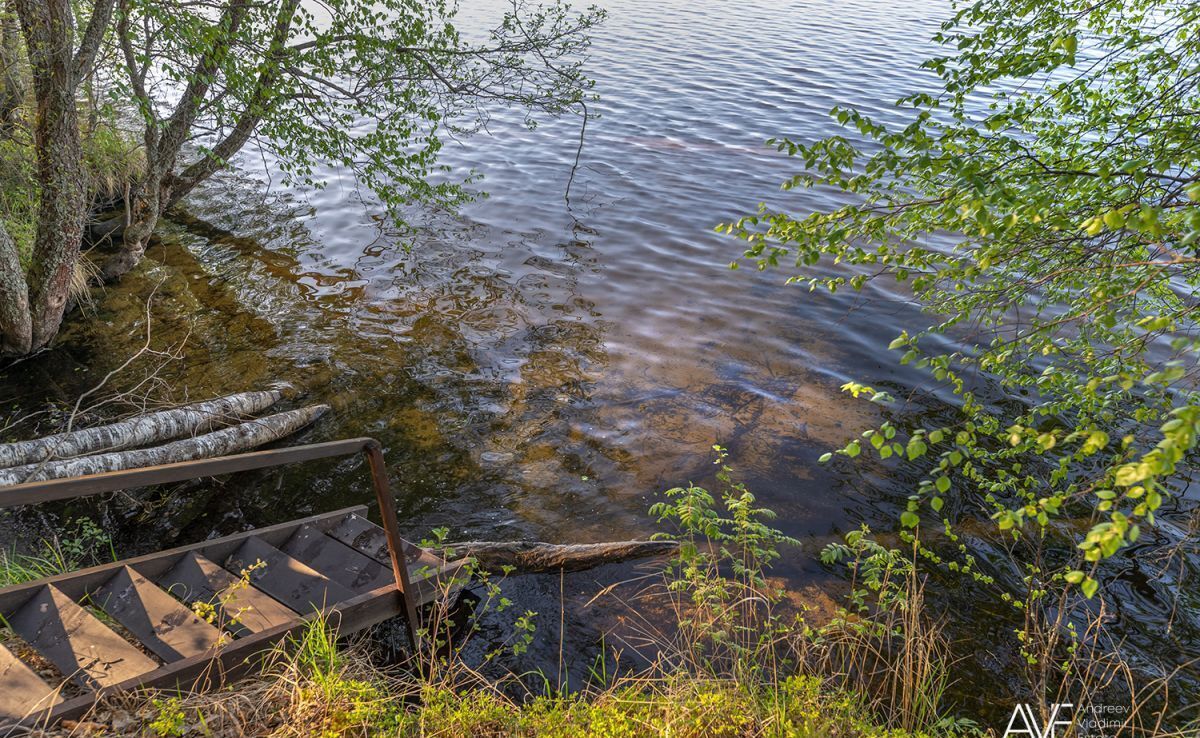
(33, 493)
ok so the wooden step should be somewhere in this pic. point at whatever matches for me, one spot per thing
(338, 561)
(77, 584)
(292, 582)
(362, 535)
(427, 571)
(22, 691)
(240, 607)
(365, 537)
(76, 642)
(158, 620)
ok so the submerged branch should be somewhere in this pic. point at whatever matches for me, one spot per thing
(529, 557)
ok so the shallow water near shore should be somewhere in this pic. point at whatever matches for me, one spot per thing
(539, 369)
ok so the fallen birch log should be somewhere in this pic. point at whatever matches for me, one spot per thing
(141, 430)
(530, 557)
(230, 440)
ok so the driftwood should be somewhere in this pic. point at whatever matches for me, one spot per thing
(529, 557)
(155, 427)
(218, 443)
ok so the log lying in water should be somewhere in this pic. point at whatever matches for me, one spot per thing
(218, 443)
(529, 557)
(141, 430)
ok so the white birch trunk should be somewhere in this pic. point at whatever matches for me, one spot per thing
(142, 430)
(231, 440)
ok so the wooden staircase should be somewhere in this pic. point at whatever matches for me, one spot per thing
(192, 617)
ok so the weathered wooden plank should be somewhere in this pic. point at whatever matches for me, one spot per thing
(76, 642)
(354, 530)
(156, 619)
(362, 535)
(78, 583)
(240, 608)
(22, 691)
(427, 570)
(337, 561)
(292, 582)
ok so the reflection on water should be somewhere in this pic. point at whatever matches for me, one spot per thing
(539, 371)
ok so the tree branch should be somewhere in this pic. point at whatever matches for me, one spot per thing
(250, 118)
(89, 47)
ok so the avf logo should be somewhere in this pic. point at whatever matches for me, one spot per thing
(1024, 721)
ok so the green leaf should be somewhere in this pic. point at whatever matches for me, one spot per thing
(1049, 233)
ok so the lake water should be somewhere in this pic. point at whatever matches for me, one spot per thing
(539, 370)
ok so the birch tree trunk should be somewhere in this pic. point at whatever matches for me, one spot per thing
(231, 440)
(139, 431)
(165, 139)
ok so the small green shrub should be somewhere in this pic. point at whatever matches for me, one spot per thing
(169, 720)
(81, 543)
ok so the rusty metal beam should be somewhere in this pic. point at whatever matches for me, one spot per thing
(387, 513)
(33, 493)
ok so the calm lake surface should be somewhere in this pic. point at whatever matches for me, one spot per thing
(539, 370)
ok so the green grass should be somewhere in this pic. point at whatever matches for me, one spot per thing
(321, 691)
(684, 707)
(81, 543)
(325, 691)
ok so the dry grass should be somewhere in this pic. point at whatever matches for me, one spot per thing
(901, 657)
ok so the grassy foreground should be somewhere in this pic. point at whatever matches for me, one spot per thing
(323, 691)
(732, 658)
